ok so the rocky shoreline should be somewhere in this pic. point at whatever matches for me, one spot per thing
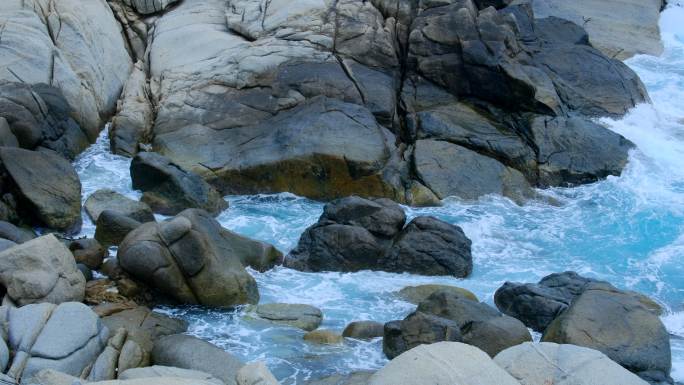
(361, 104)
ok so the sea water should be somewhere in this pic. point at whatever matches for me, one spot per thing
(627, 230)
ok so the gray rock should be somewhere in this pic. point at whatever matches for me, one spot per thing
(301, 316)
(105, 366)
(111, 227)
(169, 189)
(4, 355)
(48, 184)
(255, 373)
(144, 326)
(106, 199)
(5, 244)
(619, 28)
(7, 138)
(168, 371)
(548, 363)
(381, 217)
(15, 234)
(458, 364)
(41, 270)
(181, 260)
(354, 378)
(363, 330)
(147, 7)
(416, 329)
(418, 294)
(618, 325)
(192, 353)
(480, 324)
(132, 124)
(42, 336)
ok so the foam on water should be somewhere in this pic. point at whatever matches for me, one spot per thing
(628, 230)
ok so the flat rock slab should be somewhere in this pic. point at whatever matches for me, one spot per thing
(301, 316)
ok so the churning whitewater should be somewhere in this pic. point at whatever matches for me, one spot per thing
(627, 230)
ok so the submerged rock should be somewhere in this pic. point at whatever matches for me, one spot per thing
(321, 336)
(363, 330)
(355, 234)
(301, 316)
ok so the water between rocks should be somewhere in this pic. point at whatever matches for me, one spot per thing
(627, 230)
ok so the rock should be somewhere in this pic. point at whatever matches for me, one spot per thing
(88, 251)
(321, 336)
(619, 28)
(4, 355)
(146, 7)
(169, 189)
(111, 268)
(549, 363)
(363, 330)
(167, 371)
(192, 353)
(47, 186)
(537, 305)
(42, 336)
(15, 234)
(106, 199)
(132, 124)
(417, 329)
(7, 138)
(144, 326)
(41, 270)
(430, 246)
(85, 270)
(480, 324)
(356, 233)
(458, 364)
(182, 261)
(354, 378)
(132, 356)
(305, 317)
(255, 373)
(105, 366)
(53, 377)
(111, 227)
(618, 325)
(417, 294)
(77, 47)
(5, 244)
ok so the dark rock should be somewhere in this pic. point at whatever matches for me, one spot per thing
(178, 258)
(188, 352)
(7, 138)
(363, 330)
(111, 268)
(381, 217)
(111, 227)
(618, 325)
(88, 251)
(106, 199)
(480, 324)
(169, 189)
(47, 187)
(85, 270)
(417, 329)
(15, 234)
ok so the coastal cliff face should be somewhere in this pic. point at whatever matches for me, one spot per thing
(409, 100)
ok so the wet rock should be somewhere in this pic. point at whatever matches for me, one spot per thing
(418, 329)
(354, 378)
(15, 234)
(88, 251)
(255, 373)
(548, 363)
(363, 330)
(167, 371)
(111, 227)
(480, 324)
(301, 316)
(46, 186)
(537, 305)
(356, 233)
(458, 364)
(417, 294)
(42, 336)
(192, 353)
(321, 336)
(183, 262)
(41, 270)
(106, 199)
(618, 325)
(169, 189)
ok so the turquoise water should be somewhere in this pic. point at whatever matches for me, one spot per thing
(628, 230)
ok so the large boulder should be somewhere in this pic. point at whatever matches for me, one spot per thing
(537, 305)
(549, 363)
(46, 186)
(301, 316)
(618, 325)
(15, 234)
(442, 363)
(144, 326)
(67, 337)
(106, 199)
(355, 233)
(41, 270)
(151, 372)
(169, 189)
(192, 353)
(619, 28)
(182, 261)
(75, 46)
(480, 324)
(132, 124)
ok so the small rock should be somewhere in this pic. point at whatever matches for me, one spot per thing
(85, 270)
(321, 336)
(417, 294)
(255, 373)
(364, 330)
(88, 251)
(111, 227)
(301, 316)
(15, 234)
(417, 329)
(106, 199)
